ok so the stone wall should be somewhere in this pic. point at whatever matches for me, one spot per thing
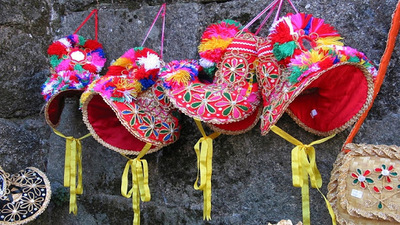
(251, 173)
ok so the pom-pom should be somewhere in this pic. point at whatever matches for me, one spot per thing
(58, 49)
(92, 44)
(179, 73)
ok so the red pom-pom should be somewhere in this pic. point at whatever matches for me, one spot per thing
(57, 49)
(90, 68)
(115, 70)
(92, 44)
(281, 34)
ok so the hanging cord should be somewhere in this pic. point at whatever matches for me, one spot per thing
(140, 182)
(73, 168)
(96, 23)
(304, 165)
(390, 44)
(163, 9)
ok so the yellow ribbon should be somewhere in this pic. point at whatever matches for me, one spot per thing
(204, 153)
(304, 166)
(72, 168)
(140, 182)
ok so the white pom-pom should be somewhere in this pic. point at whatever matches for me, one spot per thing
(206, 63)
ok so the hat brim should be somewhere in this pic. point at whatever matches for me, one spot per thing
(31, 199)
(126, 127)
(55, 106)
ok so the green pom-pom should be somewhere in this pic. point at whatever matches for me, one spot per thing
(296, 73)
(354, 59)
(79, 68)
(284, 50)
(54, 61)
(232, 22)
(210, 71)
(138, 48)
(82, 40)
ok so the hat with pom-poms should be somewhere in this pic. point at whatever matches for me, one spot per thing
(306, 71)
(76, 62)
(127, 108)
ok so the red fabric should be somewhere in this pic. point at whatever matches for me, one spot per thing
(56, 105)
(336, 96)
(107, 126)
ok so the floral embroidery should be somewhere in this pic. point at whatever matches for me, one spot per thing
(150, 127)
(232, 104)
(135, 112)
(379, 190)
(362, 178)
(234, 67)
(29, 194)
(202, 104)
(170, 131)
(386, 173)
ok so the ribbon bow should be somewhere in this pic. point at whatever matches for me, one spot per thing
(72, 166)
(140, 182)
(303, 166)
(204, 153)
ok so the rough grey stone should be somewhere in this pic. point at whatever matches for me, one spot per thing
(251, 173)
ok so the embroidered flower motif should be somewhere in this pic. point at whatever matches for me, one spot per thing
(386, 172)
(169, 132)
(36, 185)
(232, 104)
(24, 176)
(150, 127)
(31, 202)
(362, 178)
(13, 212)
(135, 111)
(234, 67)
(202, 105)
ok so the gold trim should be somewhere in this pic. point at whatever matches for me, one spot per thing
(368, 101)
(46, 109)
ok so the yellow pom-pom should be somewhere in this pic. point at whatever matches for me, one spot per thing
(330, 41)
(214, 43)
(180, 77)
(124, 62)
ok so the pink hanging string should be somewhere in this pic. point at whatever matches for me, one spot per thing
(265, 20)
(294, 8)
(163, 11)
(261, 13)
(270, 7)
(96, 22)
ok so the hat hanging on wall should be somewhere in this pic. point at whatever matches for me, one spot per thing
(126, 111)
(23, 196)
(75, 63)
(227, 100)
(323, 86)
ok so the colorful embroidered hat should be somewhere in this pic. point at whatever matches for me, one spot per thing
(305, 70)
(231, 99)
(127, 108)
(23, 196)
(75, 62)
